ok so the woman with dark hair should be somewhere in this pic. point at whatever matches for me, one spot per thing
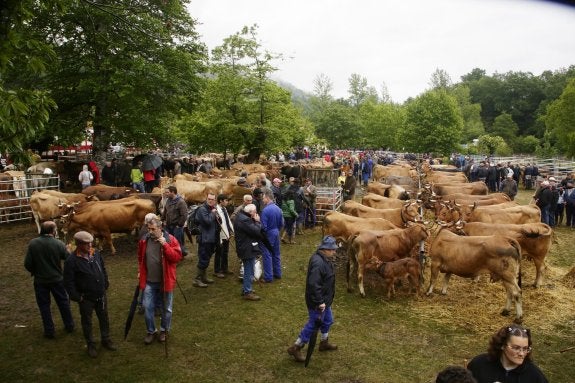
(508, 359)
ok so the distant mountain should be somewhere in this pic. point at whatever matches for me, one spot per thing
(298, 96)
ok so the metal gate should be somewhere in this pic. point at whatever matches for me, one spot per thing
(16, 188)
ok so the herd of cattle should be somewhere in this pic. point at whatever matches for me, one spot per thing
(387, 232)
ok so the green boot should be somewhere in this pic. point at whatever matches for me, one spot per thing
(205, 279)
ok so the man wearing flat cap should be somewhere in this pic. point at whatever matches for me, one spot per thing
(86, 281)
(319, 294)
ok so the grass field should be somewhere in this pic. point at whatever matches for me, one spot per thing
(218, 337)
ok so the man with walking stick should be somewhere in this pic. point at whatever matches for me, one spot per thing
(158, 254)
(319, 294)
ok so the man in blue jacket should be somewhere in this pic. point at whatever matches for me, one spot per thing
(319, 294)
(206, 216)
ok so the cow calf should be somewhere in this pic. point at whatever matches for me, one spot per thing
(405, 268)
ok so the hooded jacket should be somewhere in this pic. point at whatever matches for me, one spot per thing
(485, 370)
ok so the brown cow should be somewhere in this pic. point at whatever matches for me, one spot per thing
(452, 211)
(102, 218)
(409, 212)
(386, 246)
(534, 239)
(342, 226)
(495, 214)
(405, 268)
(50, 204)
(380, 202)
(469, 256)
(474, 188)
(390, 191)
(106, 193)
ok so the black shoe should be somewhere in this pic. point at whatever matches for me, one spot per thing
(109, 345)
(92, 350)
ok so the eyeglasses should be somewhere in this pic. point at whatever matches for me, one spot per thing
(519, 349)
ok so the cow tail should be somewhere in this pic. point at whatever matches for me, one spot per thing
(351, 256)
(517, 247)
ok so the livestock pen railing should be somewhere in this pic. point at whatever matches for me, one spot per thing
(327, 199)
(16, 188)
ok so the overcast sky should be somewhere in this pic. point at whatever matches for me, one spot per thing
(397, 42)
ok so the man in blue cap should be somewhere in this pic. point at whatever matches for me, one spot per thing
(319, 293)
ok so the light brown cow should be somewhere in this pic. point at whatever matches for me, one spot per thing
(342, 226)
(390, 191)
(469, 256)
(405, 268)
(475, 188)
(386, 246)
(102, 218)
(195, 192)
(106, 193)
(380, 171)
(534, 239)
(495, 214)
(409, 212)
(452, 212)
(50, 204)
(380, 202)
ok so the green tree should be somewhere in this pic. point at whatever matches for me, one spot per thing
(127, 67)
(339, 126)
(560, 120)
(493, 145)
(242, 109)
(380, 123)
(440, 79)
(359, 91)
(433, 123)
(471, 113)
(527, 145)
(505, 127)
(25, 105)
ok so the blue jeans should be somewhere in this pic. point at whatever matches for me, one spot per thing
(43, 291)
(327, 321)
(545, 216)
(139, 186)
(154, 297)
(248, 275)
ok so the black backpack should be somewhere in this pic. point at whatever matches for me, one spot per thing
(193, 224)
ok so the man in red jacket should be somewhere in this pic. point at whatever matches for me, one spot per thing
(158, 255)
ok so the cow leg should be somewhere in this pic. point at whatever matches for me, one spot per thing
(539, 267)
(433, 277)
(360, 279)
(108, 239)
(445, 283)
(513, 296)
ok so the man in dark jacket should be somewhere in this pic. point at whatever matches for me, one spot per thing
(543, 198)
(44, 261)
(248, 235)
(206, 216)
(86, 280)
(319, 294)
(175, 214)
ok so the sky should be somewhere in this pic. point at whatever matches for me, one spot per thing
(399, 43)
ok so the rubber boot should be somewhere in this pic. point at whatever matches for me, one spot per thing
(283, 237)
(205, 279)
(324, 345)
(291, 239)
(295, 351)
(198, 281)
